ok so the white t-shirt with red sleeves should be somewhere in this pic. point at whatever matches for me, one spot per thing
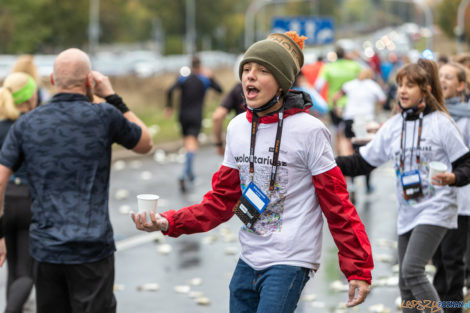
(440, 141)
(289, 231)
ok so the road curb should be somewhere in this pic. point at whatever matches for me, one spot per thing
(120, 153)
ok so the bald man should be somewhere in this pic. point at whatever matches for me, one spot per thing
(65, 147)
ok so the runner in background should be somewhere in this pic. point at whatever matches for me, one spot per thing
(363, 95)
(193, 86)
(336, 74)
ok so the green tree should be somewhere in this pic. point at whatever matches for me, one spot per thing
(447, 16)
(31, 26)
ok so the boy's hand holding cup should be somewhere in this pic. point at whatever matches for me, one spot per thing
(147, 218)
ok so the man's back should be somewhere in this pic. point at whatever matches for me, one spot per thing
(66, 148)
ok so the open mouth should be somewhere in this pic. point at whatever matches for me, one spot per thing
(251, 92)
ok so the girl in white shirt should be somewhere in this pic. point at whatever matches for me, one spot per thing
(421, 133)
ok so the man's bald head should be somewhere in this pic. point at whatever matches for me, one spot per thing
(71, 68)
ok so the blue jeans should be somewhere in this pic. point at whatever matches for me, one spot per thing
(276, 289)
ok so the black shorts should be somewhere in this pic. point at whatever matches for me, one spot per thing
(190, 127)
(75, 288)
(348, 131)
(335, 119)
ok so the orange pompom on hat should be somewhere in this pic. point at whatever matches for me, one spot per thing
(281, 54)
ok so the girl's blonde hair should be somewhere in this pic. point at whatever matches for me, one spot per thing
(13, 83)
(25, 64)
(424, 73)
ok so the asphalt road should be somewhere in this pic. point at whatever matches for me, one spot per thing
(190, 274)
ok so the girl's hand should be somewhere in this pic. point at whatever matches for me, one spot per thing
(443, 179)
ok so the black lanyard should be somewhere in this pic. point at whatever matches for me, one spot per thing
(277, 145)
(403, 143)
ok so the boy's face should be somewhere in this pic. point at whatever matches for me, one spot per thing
(259, 85)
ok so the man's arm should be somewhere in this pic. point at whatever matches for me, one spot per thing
(145, 143)
(104, 89)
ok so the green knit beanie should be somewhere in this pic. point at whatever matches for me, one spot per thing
(280, 55)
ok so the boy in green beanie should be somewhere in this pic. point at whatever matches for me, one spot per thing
(278, 176)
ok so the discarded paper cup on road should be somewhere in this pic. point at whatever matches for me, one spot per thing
(435, 168)
(147, 203)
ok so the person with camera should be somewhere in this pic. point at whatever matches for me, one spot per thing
(65, 150)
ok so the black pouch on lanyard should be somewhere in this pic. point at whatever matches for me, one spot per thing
(411, 183)
(251, 204)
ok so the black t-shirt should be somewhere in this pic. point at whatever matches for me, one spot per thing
(234, 100)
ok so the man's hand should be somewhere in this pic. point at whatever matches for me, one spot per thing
(363, 289)
(102, 87)
(157, 222)
(3, 251)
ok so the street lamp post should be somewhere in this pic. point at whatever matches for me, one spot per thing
(94, 26)
(253, 8)
(190, 27)
(459, 31)
(429, 20)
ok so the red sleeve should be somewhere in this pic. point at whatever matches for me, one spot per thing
(355, 256)
(215, 208)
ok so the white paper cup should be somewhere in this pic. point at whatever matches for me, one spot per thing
(147, 203)
(436, 167)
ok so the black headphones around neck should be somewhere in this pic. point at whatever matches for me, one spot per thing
(413, 110)
(265, 107)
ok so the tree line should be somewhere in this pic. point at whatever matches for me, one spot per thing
(47, 26)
